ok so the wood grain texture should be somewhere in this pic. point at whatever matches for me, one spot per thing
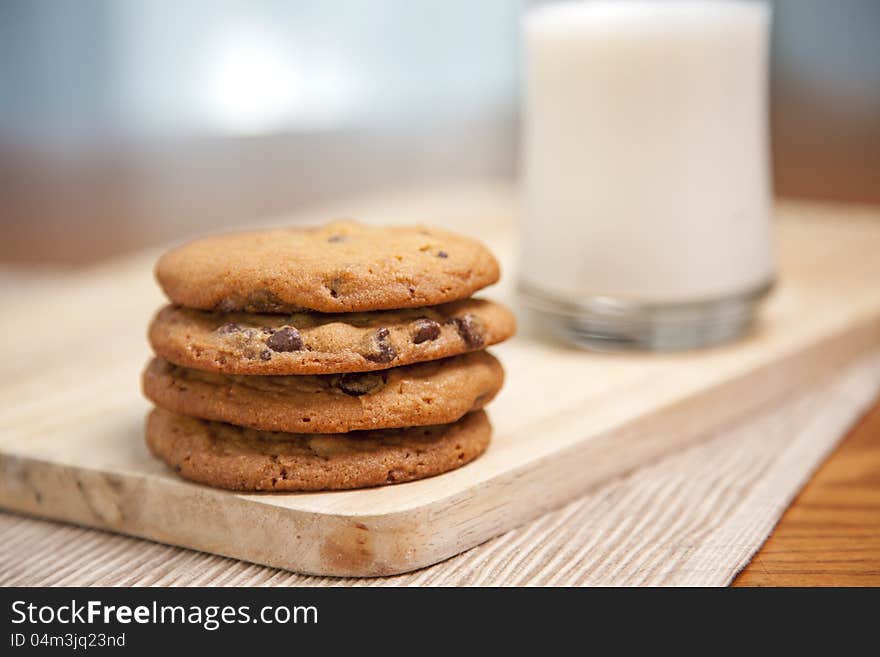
(830, 536)
(567, 420)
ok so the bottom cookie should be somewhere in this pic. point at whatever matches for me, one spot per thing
(237, 458)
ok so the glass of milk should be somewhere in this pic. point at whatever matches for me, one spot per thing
(646, 209)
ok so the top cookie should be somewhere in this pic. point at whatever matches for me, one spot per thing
(341, 267)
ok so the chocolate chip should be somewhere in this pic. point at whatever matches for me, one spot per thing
(265, 355)
(285, 339)
(226, 329)
(381, 350)
(442, 254)
(469, 330)
(358, 384)
(336, 238)
(425, 329)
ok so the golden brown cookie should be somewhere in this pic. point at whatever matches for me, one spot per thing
(341, 267)
(309, 343)
(436, 392)
(227, 456)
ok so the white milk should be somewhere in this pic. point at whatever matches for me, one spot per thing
(645, 151)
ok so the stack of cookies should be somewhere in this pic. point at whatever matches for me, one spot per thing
(329, 358)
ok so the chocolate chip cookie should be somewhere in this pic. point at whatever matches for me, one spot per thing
(227, 456)
(436, 392)
(318, 343)
(344, 266)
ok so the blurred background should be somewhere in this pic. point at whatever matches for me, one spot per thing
(126, 123)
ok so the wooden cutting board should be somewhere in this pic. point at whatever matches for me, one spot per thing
(71, 413)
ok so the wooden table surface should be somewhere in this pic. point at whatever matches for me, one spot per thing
(830, 535)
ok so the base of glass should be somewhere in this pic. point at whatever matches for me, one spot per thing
(606, 324)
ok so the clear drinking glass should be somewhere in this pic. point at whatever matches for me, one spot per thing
(646, 184)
